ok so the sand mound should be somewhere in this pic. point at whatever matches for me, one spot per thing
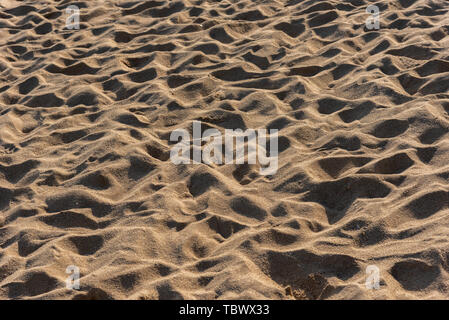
(86, 179)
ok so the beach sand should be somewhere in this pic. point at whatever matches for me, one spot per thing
(86, 178)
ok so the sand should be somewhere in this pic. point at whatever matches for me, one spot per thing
(86, 178)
